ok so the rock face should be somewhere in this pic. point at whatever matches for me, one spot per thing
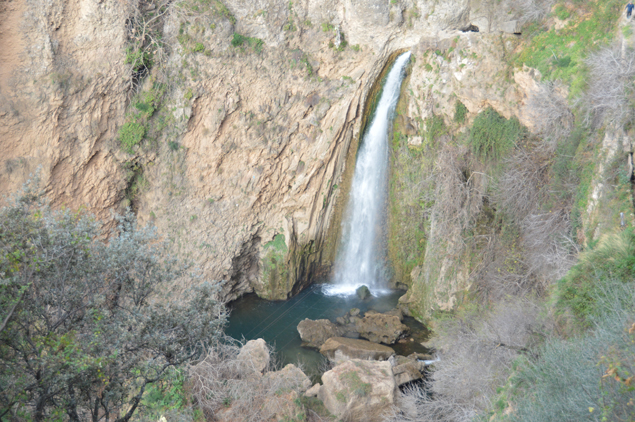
(338, 349)
(359, 390)
(254, 355)
(315, 333)
(381, 328)
(247, 159)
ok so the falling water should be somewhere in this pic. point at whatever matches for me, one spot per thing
(362, 255)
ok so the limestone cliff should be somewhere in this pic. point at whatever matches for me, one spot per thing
(246, 151)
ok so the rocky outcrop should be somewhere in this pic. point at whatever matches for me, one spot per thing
(338, 349)
(381, 328)
(291, 377)
(254, 356)
(315, 332)
(406, 369)
(359, 390)
(247, 154)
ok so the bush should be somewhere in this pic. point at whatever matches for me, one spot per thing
(238, 40)
(476, 351)
(86, 329)
(460, 112)
(585, 378)
(611, 92)
(492, 135)
(550, 112)
(582, 290)
(225, 381)
(131, 134)
(138, 58)
(255, 43)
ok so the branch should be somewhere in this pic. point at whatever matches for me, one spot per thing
(15, 305)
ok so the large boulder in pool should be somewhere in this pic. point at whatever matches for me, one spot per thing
(363, 292)
(381, 328)
(315, 332)
(338, 349)
(359, 390)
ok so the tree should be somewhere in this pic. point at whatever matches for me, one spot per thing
(86, 324)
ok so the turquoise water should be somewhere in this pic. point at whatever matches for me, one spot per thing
(276, 322)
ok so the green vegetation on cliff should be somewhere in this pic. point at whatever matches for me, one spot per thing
(527, 271)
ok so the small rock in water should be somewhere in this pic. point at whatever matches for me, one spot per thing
(354, 312)
(363, 292)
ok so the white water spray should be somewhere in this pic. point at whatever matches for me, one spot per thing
(362, 255)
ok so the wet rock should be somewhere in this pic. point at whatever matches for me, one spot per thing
(363, 292)
(395, 312)
(381, 328)
(354, 312)
(362, 390)
(315, 332)
(254, 356)
(339, 349)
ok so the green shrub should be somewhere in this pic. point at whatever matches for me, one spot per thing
(131, 134)
(435, 127)
(256, 44)
(199, 47)
(584, 378)
(492, 135)
(327, 27)
(238, 40)
(562, 12)
(460, 112)
(138, 58)
(583, 288)
(84, 317)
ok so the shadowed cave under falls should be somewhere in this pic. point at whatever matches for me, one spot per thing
(361, 260)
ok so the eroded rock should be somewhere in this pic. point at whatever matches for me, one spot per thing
(381, 328)
(359, 390)
(338, 349)
(290, 377)
(254, 356)
(406, 369)
(315, 333)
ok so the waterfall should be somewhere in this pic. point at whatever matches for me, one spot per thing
(362, 256)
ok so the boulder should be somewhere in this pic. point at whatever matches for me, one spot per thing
(338, 349)
(381, 328)
(289, 377)
(511, 27)
(363, 292)
(359, 390)
(313, 391)
(315, 333)
(406, 369)
(254, 356)
(395, 312)
(354, 312)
